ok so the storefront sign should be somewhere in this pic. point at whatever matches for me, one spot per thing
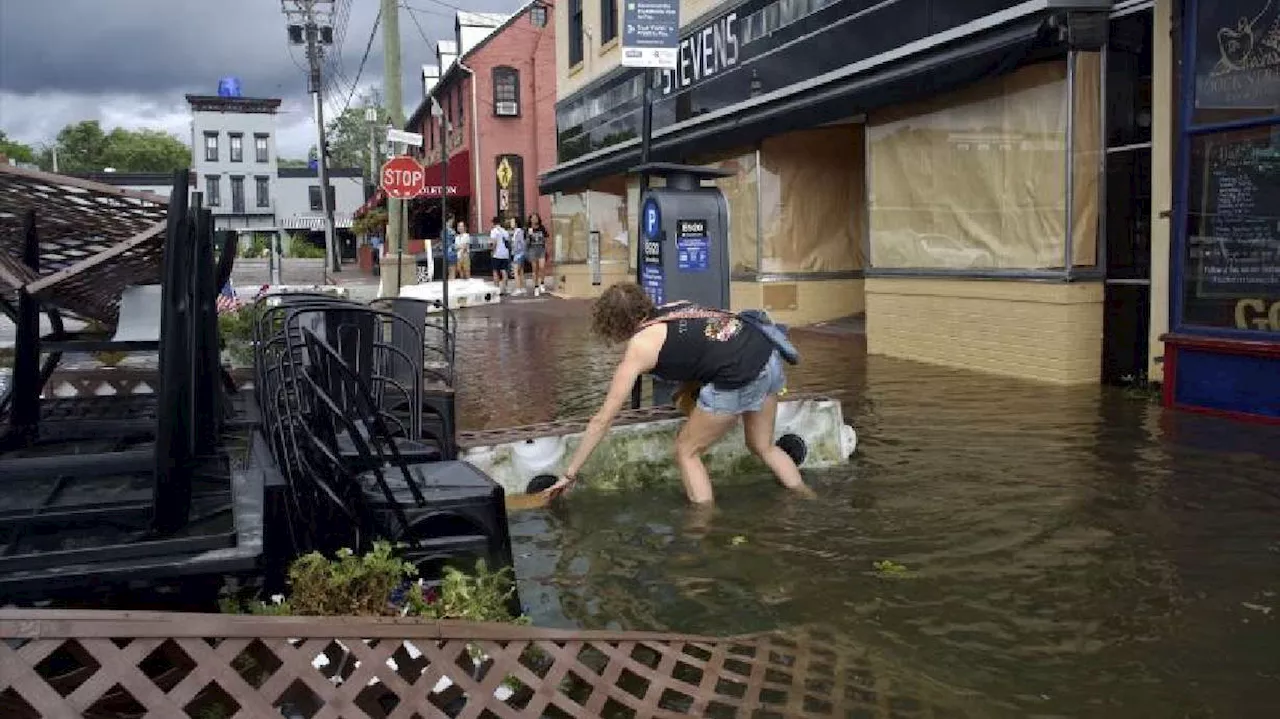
(1238, 55)
(692, 246)
(593, 257)
(704, 54)
(1254, 314)
(650, 33)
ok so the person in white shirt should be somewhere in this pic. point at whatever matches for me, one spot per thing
(462, 245)
(499, 240)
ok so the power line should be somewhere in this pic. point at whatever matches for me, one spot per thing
(360, 70)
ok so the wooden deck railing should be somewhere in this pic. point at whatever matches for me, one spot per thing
(59, 664)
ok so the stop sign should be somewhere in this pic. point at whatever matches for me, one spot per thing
(403, 178)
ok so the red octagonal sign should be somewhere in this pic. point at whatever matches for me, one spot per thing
(403, 178)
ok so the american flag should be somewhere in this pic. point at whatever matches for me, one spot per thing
(227, 300)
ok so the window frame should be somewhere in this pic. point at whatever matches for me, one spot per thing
(211, 152)
(262, 190)
(237, 183)
(576, 50)
(213, 190)
(1187, 131)
(262, 154)
(608, 21)
(506, 77)
(314, 198)
(235, 146)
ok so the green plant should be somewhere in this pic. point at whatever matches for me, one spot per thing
(302, 248)
(258, 245)
(235, 332)
(107, 358)
(379, 583)
(373, 222)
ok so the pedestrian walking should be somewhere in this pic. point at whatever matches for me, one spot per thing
(499, 243)
(518, 248)
(536, 239)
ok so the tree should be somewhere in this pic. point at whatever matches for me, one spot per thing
(348, 136)
(145, 151)
(84, 147)
(15, 150)
(291, 162)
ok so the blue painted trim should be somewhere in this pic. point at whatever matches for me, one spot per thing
(1182, 180)
(1246, 124)
(1181, 171)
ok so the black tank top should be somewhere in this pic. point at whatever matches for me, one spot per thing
(723, 351)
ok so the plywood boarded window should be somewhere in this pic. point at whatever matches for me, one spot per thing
(977, 178)
(812, 200)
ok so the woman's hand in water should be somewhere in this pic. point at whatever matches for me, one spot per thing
(562, 486)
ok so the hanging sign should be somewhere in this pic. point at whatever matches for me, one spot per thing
(650, 33)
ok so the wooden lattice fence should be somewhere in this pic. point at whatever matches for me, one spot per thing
(60, 664)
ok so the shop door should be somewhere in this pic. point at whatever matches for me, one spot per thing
(1127, 317)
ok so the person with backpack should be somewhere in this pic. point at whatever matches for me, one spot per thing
(736, 358)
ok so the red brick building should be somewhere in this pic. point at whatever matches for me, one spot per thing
(495, 84)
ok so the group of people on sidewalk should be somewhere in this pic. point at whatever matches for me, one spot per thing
(511, 243)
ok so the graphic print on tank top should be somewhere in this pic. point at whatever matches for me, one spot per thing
(708, 346)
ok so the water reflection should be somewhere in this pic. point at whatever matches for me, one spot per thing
(1069, 551)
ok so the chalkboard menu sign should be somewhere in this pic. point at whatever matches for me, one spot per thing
(1233, 234)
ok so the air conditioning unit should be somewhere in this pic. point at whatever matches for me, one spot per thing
(506, 108)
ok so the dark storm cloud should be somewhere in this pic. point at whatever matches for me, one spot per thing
(155, 47)
(133, 59)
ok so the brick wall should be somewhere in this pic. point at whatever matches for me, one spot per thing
(1043, 331)
(531, 51)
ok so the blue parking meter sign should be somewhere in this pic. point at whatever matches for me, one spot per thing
(652, 219)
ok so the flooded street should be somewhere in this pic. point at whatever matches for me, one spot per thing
(1059, 552)
(1067, 551)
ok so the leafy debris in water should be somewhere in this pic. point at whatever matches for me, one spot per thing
(889, 568)
(738, 540)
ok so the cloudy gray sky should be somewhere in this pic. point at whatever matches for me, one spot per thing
(128, 63)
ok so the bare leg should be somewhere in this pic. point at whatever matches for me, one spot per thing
(758, 431)
(699, 432)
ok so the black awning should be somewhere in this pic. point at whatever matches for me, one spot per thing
(996, 52)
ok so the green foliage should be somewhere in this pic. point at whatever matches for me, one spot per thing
(302, 248)
(291, 162)
(348, 136)
(85, 147)
(258, 246)
(373, 222)
(15, 150)
(889, 568)
(235, 331)
(380, 583)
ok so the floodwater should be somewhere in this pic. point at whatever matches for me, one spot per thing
(1069, 552)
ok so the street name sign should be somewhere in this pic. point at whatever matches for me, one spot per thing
(412, 139)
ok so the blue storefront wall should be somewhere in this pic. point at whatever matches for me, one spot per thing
(1223, 351)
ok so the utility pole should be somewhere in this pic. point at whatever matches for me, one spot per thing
(315, 31)
(395, 116)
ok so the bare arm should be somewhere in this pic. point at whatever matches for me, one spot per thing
(641, 356)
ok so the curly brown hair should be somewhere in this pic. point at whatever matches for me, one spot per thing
(619, 311)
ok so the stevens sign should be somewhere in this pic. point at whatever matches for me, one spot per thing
(706, 53)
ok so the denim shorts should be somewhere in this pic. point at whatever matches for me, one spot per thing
(749, 398)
